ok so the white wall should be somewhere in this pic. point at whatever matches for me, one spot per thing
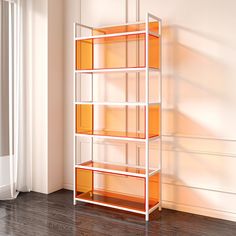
(55, 95)
(44, 52)
(35, 52)
(199, 100)
(71, 14)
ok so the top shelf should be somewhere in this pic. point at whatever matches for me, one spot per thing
(119, 30)
(117, 34)
(117, 48)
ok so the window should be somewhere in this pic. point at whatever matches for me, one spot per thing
(7, 13)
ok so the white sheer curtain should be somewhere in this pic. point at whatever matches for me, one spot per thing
(15, 98)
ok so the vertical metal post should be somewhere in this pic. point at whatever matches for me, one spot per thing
(126, 83)
(160, 97)
(147, 119)
(137, 83)
(91, 143)
(10, 81)
(74, 112)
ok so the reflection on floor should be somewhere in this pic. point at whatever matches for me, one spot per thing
(54, 214)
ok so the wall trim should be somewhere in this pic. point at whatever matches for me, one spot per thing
(199, 211)
(225, 139)
(197, 187)
(221, 154)
(68, 186)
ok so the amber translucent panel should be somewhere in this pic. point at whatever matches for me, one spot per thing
(153, 26)
(84, 181)
(84, 54)
(113, 167)
(119, 121)
(116, 52)
(154, 52)
(115, 190)
(84, 118)
(119, 52)
(154, 189)
(110, 198)
(154, 120)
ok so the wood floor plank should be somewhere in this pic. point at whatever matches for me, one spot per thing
(54, 214)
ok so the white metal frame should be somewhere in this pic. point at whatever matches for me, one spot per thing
(147, 140)
(151, 173)
(136, 69)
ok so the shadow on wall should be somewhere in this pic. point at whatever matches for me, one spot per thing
(197, 85)
(198, 99)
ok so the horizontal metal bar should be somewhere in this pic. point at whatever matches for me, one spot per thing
(154, 172)
(150, 15)
(118, 164)
(116, 35)
(110, 137)
(109, 205)
(154, 138)
(138, 69)
(82, 25)
(116, 138)
(111, 35)
(154, 208)
(83, 166)
(154, 34)
(118, 103)
(110, 171)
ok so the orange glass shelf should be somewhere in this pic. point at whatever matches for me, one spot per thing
(153, 26)
(107, 167)
(117, 52)
(114, 199)
(117, 121)
(116, 190)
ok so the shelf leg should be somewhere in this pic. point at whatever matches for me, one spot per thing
(147, 217)
(74, 202)
(159, 208)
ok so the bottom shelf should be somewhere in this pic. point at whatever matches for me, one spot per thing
(116, 191)
(118, 201)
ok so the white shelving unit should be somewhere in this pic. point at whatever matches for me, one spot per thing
(145, 172)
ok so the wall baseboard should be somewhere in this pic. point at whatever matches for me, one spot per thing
(68, 186)
(55, 188)
(200, 211)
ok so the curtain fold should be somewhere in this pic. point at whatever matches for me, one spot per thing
(24, 109)
(15, 98)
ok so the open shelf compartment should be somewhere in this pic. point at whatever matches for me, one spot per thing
(119, 157)
(117, 121)
(114, 50)
(116, 191)
(117, 87)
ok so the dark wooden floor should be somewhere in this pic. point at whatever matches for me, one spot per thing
(54, 214)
